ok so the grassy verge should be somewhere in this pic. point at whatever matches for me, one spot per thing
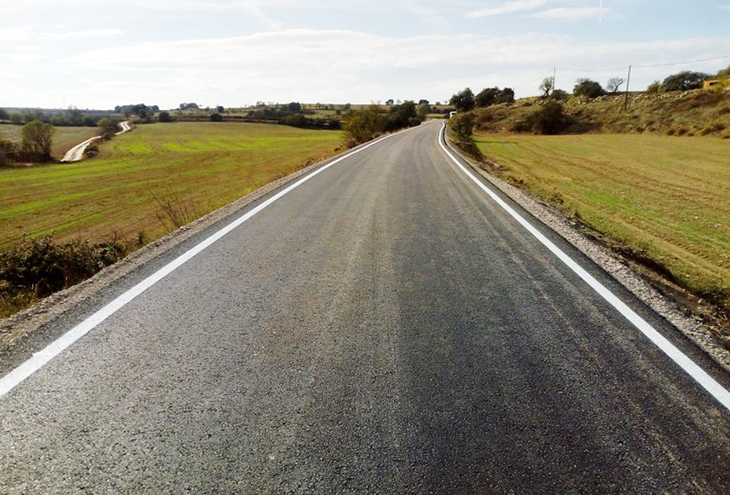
(142, 185)
(664, 200)
(64, 138)
(149, 181)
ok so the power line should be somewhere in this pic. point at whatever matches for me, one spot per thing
(646, 66)
(683, 63)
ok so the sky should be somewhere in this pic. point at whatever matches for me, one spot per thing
(101, 53)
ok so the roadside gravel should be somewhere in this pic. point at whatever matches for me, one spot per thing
(695, 329)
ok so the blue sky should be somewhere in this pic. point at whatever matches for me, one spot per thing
(100, 53)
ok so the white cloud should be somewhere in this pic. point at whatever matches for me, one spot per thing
(29, 33)
(507, 8)
(572, 14)
(340, 66)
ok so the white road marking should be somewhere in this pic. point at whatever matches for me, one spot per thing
(689, 366)
(40, 359)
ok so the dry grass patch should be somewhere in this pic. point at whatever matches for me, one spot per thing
(665, 199)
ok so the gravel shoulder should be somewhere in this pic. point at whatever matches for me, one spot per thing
(691, 326)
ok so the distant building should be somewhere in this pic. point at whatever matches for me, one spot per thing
(716, 83)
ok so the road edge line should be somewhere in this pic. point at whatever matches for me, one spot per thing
(22, 372)
(713, 387)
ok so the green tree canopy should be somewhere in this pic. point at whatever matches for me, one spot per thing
(463, 100)
(38, 138)
(587, 88)
(684, 81)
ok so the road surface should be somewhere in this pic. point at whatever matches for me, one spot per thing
(385, 327)
(76, 153)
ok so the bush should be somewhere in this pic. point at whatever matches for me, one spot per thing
(550, 118)
(42, 267)
(587, 88)
(108, 128)
(216, 117)
(362, 124)
(654, 88)
(559, 95)
(463, 125)
(164, 117)
(296, 120)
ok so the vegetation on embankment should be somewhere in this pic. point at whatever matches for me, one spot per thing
(662, 201)
(689, 113)
(142, 185)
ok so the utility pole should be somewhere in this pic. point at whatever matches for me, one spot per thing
(628, 81)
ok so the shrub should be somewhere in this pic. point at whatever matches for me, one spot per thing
(550, 118)
(654, 88)
(587, 88)
(164, 117)
(559, 95)
(296, 120)
(216, 117)
(108, 128)
(463, 125)
(363, 124)
(42, 267)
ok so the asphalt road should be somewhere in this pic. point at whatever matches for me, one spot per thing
(383, 328)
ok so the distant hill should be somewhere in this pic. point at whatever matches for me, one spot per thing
(687, 113)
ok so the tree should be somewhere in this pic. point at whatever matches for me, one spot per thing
(487, 97)
(363, 124)
(294, 107)
(506, 96)
(614, 83)
(547, 86)
(108, 128)
(38, 138)
(4, 114)
(724, 72)
(74, 116)
(587, 88)
(216, 117)
(164, 116)
(220, 109)
(423, 110)
(684, 81)
(463, 100)
(422, 102)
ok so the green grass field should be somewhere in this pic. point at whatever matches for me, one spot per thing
(664, 197)
(144, 176)
(64, 138)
